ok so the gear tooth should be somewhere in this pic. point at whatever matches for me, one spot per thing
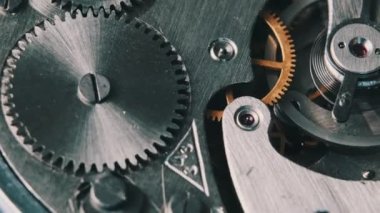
(28, 140)
(21, 130)
(184, 80)
(90, 12)
(86, 11)
(112, 13)
(47, 156)
(81, 170)
(123, 165)
(115, 7)
(142, 157)
(113, 166)
(184, 102)
(102, 12)
(8, 98)
(167, 138)
(22, 44)
(11, 62)
(176, 60)
(118, 166)
(172, 51)
(132, 162)
(93, 169)
(8, 74)
(16, 53)
(124, 6)
(28, 37)
(125, 18)
(165, 44)
(184, 94)
(271, 103)
(55, 18)
(178, 119)
(152, 151)
(171, 131)
(69, 167)
(58, 162)
(214, 115)
(181, 70)
(37, 148)
(160, 144)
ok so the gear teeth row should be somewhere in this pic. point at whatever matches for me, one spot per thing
(79, 168)
(121, 6)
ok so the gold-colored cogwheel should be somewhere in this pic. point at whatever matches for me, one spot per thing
(286, 66)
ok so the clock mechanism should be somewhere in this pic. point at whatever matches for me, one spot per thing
(190, 106)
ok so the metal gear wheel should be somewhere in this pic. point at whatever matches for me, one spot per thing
(285, 66)
(84, 101)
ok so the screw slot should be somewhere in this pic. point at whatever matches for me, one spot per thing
(223, 49)
(246, 118)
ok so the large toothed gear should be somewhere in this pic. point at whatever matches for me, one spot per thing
(94, 91)
(285, 66)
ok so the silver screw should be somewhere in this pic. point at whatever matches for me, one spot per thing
(368, 175)
(377, 51)
(341, 45)
(93, 88)
(246, 118)
(223, 49)
(344, 99)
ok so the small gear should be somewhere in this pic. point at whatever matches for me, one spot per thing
(285, 66)
(93, 91)
(217, 114)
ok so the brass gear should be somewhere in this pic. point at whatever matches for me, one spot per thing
(286, 66)
(217, 115)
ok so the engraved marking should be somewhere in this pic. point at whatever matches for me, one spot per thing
(186, 160)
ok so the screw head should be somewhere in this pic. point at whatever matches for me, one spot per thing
(247, 119)
(93, 88)
(223, 49)
(368, 174)
(341, 45)
(361, 47)
(377, 51)
(344, 99)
